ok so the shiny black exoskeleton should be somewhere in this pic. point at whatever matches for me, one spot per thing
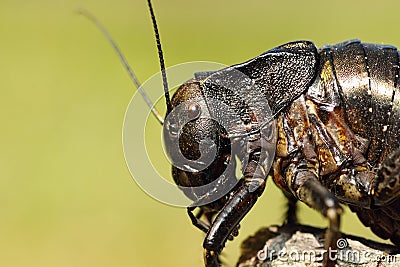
(334, 119)
(325, 124)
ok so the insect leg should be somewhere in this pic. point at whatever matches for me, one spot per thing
(291, 216)
(309, 190)
(387, 182)
(243, 198)
(383, 215)
(196, 219)
(229, 218)
(353, 185)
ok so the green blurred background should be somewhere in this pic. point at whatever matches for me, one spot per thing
(67, 198)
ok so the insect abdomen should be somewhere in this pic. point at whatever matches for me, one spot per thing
(368, 80)
(363, 79)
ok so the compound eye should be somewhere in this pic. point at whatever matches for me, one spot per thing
(193, 110)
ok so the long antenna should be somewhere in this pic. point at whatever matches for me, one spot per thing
(125, 63)
(161, 57)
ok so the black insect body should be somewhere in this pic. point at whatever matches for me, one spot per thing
(337, 113)
(325, 124)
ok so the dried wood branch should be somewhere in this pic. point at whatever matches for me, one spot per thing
(300, 245)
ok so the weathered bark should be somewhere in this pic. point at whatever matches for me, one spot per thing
(300, 245)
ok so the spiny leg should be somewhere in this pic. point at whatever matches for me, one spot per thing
(204, 226)
(387, 183)
(382, 216)
(208, 215)
(244, 197)
(387, 195)
(373, 195)
(227, 221)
